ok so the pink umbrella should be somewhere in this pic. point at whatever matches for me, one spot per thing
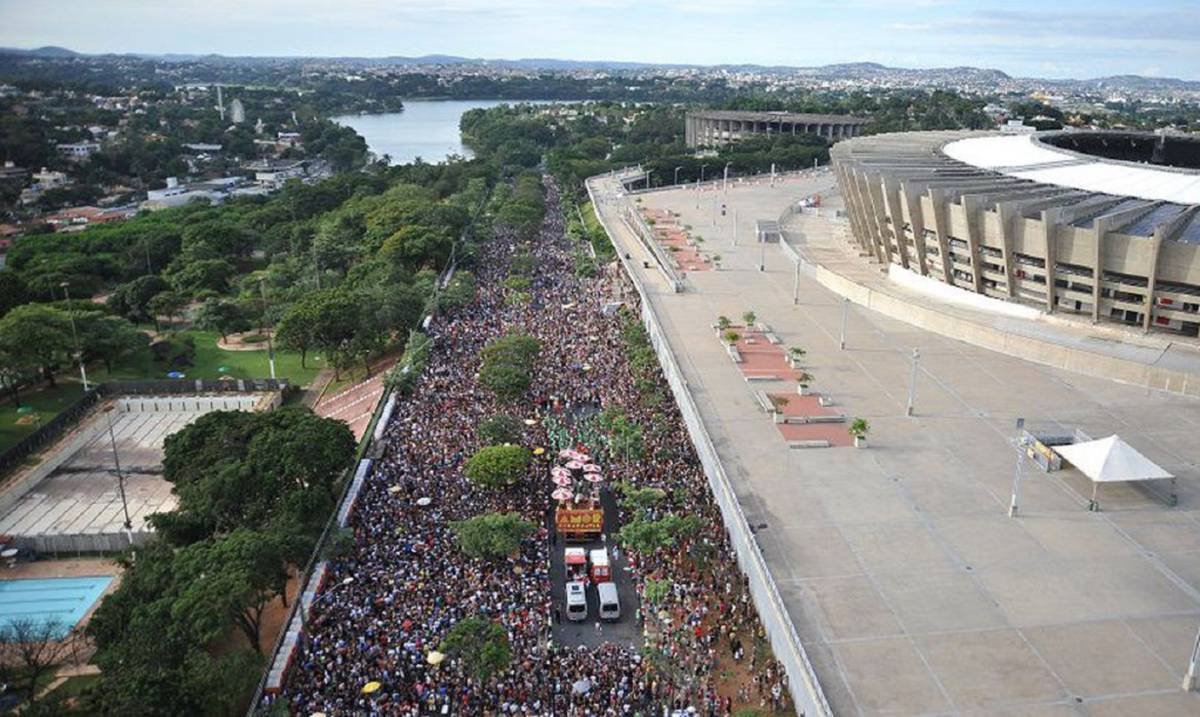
(591, 468)
(594, 477)
(560, 471)
(574, 465)
(561, 494)
(563, 481)
(566, 453)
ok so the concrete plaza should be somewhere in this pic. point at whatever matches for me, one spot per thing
(911, 588)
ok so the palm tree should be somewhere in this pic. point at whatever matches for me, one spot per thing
(749, 317)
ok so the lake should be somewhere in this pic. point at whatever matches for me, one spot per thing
(426, 128)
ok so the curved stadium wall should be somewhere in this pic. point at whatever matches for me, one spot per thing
(1101, 224)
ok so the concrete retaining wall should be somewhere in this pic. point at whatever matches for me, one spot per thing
(785, 643)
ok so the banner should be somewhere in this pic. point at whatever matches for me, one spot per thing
(589, 520)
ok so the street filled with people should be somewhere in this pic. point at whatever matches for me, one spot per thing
(389, 602)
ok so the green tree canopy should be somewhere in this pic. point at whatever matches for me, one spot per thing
(482, 645)
(36, 336)
(490, 536)
(497, 466)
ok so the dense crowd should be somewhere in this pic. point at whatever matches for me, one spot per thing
(411, 583)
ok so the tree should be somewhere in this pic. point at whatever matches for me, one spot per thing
(108, 338)
(297, 329)
(35, 335)
(497, 466)
(491, 536)
(749, 317)
(232, 469)
(639, 500)
(13, 292)
(649, 536)
(506, 365)
(230, 580)
(38, 647)
(192, 277)
(624, 436)
(221, 315)
(499, 429)
(169, 304)
(481, 644)
(132, 300)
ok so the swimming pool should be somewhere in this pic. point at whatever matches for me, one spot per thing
(59, 601)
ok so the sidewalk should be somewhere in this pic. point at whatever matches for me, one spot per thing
(912, 590)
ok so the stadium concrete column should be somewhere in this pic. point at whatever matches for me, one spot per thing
(938, 200)
(845, 180)
(1004, 216)
(871, 188)
(1099, 229)
(916, 221)
(971, 207)
(891, 196)
(1151, 274)
(1049, 227)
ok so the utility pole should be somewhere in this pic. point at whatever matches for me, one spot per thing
(912, 382)
(725, 186)
(796, 297)
(262, 288)
(1016, 489)
(75, 336)
(677, 175)
(762, 254)
(1189, 678)
(735, 227)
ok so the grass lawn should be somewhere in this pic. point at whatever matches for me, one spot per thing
(239, 364)
(73, 686)
(46, 402)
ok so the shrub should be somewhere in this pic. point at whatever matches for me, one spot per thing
(175, 352)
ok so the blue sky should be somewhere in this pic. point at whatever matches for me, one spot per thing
(1060, 38)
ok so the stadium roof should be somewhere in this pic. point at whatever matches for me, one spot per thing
(1023, 157)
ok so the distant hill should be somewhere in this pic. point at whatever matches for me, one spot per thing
(839, 71)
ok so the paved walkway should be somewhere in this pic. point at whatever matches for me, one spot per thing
(912, 590)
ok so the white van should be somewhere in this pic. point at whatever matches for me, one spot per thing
(576, 602)
(610, 605)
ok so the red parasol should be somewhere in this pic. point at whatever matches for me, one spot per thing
(563, 481)
(591, 468)
(594, 477)
(562, 494)
(574, 465)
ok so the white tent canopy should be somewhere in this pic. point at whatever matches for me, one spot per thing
(1110, 460)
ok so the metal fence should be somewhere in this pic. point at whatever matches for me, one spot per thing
(785, 642)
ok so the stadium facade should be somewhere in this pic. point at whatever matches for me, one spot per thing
(714, 128)
(1101, 224)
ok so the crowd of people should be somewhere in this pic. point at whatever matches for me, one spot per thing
(411, 583)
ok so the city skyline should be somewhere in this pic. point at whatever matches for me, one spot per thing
(1078, 40)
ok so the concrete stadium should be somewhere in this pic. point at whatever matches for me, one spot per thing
(1099, 224)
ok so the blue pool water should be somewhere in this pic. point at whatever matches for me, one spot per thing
(60, 601)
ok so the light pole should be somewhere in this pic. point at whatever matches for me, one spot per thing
(677, 174)
(912, 382)
(701, 175)
(762, 254)
(349, 580)
(796, 295)
(112, 437)
(845, 308)
(1189, 678)
(75, 336)
(1016, 489)
(262, 288)
(735, 227)
(725, 185)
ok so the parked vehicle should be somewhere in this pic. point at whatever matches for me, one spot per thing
(601, 567)
(576, 564)
(610, 604)
(577, 609)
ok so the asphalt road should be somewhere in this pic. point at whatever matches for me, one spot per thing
(626, 630)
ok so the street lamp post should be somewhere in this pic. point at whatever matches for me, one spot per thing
(349, 580)
(75, 336)
(735, 211)
(912, 382)
(262, 288)
(677, 175)
(1016, 489)
(112, 437)
(845, 309)
(762, 254)
(725, 185)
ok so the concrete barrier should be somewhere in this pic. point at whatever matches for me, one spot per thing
(781, 633)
